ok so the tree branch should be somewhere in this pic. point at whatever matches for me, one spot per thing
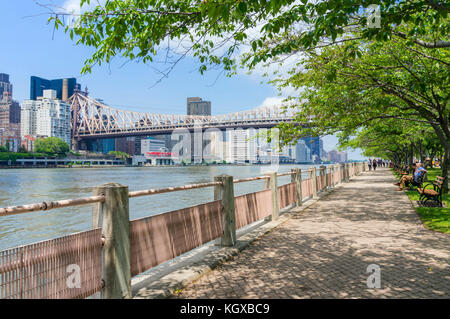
(430, 45)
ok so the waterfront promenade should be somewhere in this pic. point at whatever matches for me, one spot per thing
(325, 249)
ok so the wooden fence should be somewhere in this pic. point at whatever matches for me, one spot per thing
(105, 258)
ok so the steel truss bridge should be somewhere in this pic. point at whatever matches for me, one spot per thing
(92, 119)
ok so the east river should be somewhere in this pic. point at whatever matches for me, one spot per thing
(27, 186)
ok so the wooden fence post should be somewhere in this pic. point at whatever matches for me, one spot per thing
(332, 176)
(217, 194)
(323, 176)
(225, 192)
(314, 182)
(114, 217)
(97, 209)
(274, 187)
(297, 178)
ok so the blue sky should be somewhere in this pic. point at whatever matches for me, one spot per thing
(30, 46)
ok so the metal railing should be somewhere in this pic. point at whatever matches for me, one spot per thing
(117, 248)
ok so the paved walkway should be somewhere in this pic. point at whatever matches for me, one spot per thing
(324, 251)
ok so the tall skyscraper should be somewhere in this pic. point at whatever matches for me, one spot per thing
(5, 85)
(64, 87)
(302, 152)
(196, 106)
(314, 145)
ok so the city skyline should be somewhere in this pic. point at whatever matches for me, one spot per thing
(127, 86)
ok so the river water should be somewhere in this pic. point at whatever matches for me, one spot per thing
(27, 186)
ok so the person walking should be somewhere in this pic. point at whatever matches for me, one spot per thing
(370, 164)
(374, 164)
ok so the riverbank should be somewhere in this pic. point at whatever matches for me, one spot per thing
(146, 166)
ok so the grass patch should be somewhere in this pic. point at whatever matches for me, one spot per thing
(434, 218)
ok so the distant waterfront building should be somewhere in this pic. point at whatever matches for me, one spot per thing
(302, 152)
(64, 87)
(10, 124)
(337, 157)
(126, 145)
(241, 146)
(9, 112)
(152, 145)
(46, 116)
(102, 145)
(196, 106)
(28, 118)
(28, 143)
(323, 153)
(214, 146)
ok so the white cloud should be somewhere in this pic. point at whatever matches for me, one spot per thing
(271, 101)
(73, 6)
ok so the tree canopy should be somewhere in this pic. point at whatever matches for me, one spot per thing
(216, 32)
(51, 146)
(360, 87)
(118, 154)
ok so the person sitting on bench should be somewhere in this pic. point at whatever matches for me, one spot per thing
(415, 176)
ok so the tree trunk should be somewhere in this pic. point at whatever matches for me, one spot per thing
(421, 152)
(445, 166)
(443, 135)
(411, 154)
(406, 155)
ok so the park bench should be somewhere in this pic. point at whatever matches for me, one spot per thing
(401, 170)
(435, 194)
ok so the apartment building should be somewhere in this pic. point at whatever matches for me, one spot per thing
(47, 116)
